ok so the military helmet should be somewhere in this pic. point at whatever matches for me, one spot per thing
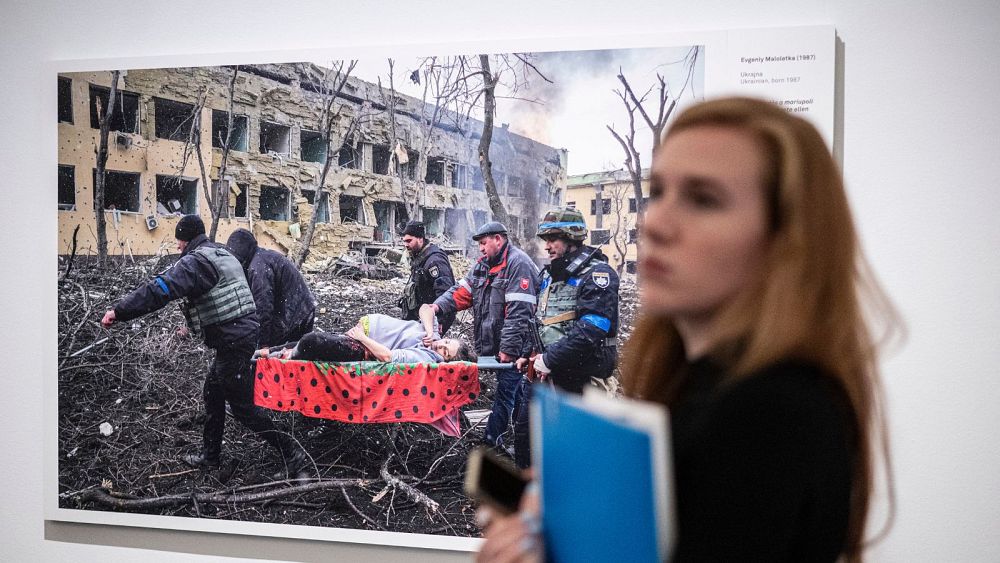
(565, 222)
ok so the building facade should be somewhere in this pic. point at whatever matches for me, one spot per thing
(275, 160)
(613, 222)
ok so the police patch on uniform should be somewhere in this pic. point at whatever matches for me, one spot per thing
(524, 283)
(434, 271)
(602, 279)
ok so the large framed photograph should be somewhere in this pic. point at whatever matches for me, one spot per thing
(323, 157)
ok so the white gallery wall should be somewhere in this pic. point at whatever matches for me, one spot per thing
(921, 155)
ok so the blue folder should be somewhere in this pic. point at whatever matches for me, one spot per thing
(605, 478)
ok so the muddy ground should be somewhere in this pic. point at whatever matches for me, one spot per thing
(130, 406)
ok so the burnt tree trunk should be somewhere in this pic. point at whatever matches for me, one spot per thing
(221, 190)
(104, 119)
(489, 108)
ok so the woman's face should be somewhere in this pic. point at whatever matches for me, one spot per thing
(705, 231)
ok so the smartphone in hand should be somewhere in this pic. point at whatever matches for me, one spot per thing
(493, 481)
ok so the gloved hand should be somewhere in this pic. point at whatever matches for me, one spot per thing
(540, 366)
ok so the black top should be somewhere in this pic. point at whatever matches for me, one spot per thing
(430, 272)
(762, 465)
(192, 276)
(283, 299)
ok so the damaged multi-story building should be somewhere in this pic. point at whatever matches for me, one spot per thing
(275, 158)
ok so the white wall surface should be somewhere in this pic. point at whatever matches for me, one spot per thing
(921, 154)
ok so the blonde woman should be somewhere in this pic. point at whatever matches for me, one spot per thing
(752, 333)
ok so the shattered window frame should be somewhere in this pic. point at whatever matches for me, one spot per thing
(126, 106)
(242, 201)
(352, 158)
(67, 187)
(270, 205)
(188, 200)
(173, 119)
(324, 212)
(65, 102)
(409, 169)
(312, 147)
(353, 204)
(381, 156)
(456, 217)
(131, 201)
(241, 126)
(606, 206)
(435, 171)
(433, 221)
(267, 131)
(460, 176)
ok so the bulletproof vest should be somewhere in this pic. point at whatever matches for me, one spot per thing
(557, 303)
(229, 299)
(410, 300)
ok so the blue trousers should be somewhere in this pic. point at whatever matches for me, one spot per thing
(503, 405)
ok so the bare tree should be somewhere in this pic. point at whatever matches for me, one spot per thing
(220, 189)
(334, 82)
(621, 229)
(104, 121)
(664, 104)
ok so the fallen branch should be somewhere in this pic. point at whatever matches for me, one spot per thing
(364, 516)
(174, 474)
(103, 497)
(412, 493)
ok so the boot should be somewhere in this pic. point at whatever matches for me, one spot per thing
(297, 465)
(201, 460)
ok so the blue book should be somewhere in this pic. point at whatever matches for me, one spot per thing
(605, 476)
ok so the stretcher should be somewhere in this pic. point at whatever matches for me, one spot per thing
(370, 392)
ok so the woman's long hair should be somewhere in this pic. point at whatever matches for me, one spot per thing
(808, 301)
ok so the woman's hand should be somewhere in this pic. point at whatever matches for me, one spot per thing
(515, 537)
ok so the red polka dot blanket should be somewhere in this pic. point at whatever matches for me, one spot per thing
(363, 392)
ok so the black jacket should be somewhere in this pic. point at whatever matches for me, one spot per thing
(284, 301)
(192, 276)
(431, 276)
(583, 353)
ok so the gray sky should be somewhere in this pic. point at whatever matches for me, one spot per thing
(573, 111)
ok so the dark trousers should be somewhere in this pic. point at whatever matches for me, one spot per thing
(522, 427)
(330, 347)
(522, 419)
(229, 379)
(503, 405)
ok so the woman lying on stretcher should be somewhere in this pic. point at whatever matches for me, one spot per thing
(381, 338)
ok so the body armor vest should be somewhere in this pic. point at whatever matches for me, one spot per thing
(230, 299)
(557, 303)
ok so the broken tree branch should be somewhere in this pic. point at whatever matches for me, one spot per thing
(104, 497)
(411, 492)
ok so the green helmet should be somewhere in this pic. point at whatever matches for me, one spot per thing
(564, 221)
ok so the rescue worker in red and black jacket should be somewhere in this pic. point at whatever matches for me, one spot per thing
(430, 275)
(286, 308)
(577, 317)
(501, 290)
(220, 307)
